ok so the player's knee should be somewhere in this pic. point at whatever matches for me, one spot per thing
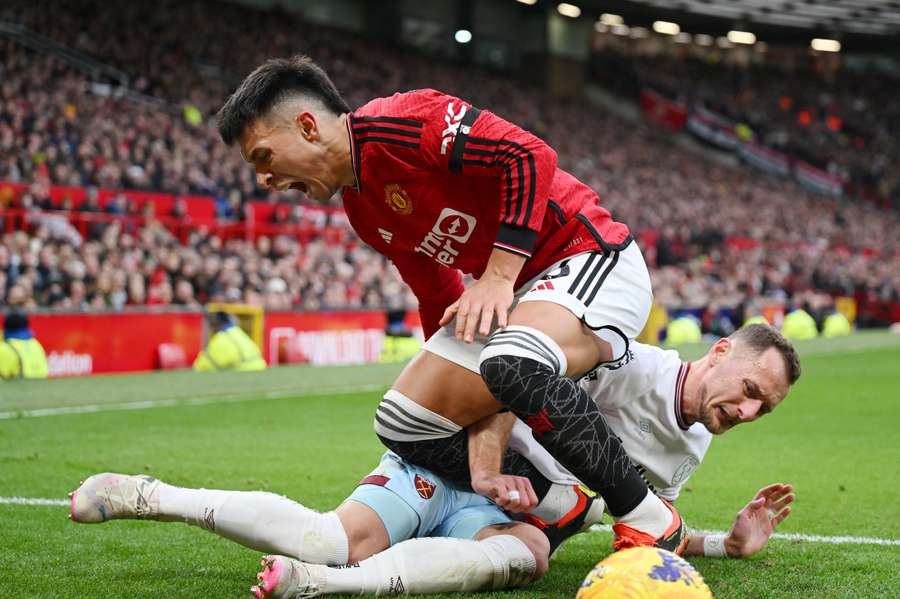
(366, 535)
(537, 543)
(522, 343)
(517, 542)
(517, 355)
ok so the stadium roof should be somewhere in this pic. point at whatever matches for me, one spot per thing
(862, 20)
(856, 16)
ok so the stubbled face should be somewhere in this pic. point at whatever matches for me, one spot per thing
(740, 386)
(290, 155)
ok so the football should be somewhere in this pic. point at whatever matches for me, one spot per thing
(643, 573)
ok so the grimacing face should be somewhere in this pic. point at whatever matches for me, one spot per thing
(290, 155)
(740, 385)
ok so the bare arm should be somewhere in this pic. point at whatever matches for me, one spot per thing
(752, 526)
(488, 439)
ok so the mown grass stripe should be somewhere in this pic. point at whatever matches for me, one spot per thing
(196, 401)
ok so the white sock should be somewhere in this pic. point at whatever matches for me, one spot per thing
(559, 501)
(262, 521)
(650, 516)
(434, 565)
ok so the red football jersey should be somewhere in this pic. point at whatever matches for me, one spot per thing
(441, 183)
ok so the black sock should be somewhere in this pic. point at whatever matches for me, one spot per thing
(568, 423)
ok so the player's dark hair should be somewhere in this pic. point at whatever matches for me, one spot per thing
(760, 337)
(270, 83)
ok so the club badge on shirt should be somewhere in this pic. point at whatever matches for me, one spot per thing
(424, 488)
(397, 198)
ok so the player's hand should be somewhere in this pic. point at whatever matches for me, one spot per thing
(512, 493)
(490, 296)
(755, 523)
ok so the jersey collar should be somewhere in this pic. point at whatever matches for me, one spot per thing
(354, 154)
(683, 371)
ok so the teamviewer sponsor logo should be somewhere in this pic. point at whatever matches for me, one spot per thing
(452, 229)
(453, 120)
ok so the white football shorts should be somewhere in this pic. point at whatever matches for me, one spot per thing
(611, 294)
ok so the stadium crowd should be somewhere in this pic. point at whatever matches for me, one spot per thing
(55, 267)
(715, 236)
(842, 120)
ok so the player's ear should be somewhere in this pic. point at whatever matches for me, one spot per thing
(307, 125)
(719, 349)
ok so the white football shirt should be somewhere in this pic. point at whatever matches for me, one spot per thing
(641, 402)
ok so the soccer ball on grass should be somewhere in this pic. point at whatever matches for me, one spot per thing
(643, 573)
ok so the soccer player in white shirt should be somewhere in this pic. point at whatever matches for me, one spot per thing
(664, 410)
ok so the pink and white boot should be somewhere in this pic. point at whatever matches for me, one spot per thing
(286, 578)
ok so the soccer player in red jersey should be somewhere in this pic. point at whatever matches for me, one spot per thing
(442, 188)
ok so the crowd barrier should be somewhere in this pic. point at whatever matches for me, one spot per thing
(96, 343)
(259, 218)
(732, 136)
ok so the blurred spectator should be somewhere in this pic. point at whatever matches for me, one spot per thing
(21, 355)
(400, 344)
(229, 347)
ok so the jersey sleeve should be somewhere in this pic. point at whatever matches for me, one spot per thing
(461, 138)
(435, 286)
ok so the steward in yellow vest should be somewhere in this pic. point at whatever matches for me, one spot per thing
(799, 325)
(21, 355)
(684, 329)
(229, 348)
(836, 325)
(400, 345)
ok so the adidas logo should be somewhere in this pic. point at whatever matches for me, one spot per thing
(386, 235)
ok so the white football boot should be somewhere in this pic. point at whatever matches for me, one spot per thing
(286, 578)
(587, 511)
(110, 496)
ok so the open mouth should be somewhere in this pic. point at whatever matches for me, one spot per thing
(299, 186)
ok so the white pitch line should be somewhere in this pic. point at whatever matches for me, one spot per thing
(195, 401)
(33, 501)
(793, 536)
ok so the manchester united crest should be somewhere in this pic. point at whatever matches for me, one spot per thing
(397, 198)
(424, 488)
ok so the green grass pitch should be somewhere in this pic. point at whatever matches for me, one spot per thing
(307, 433)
